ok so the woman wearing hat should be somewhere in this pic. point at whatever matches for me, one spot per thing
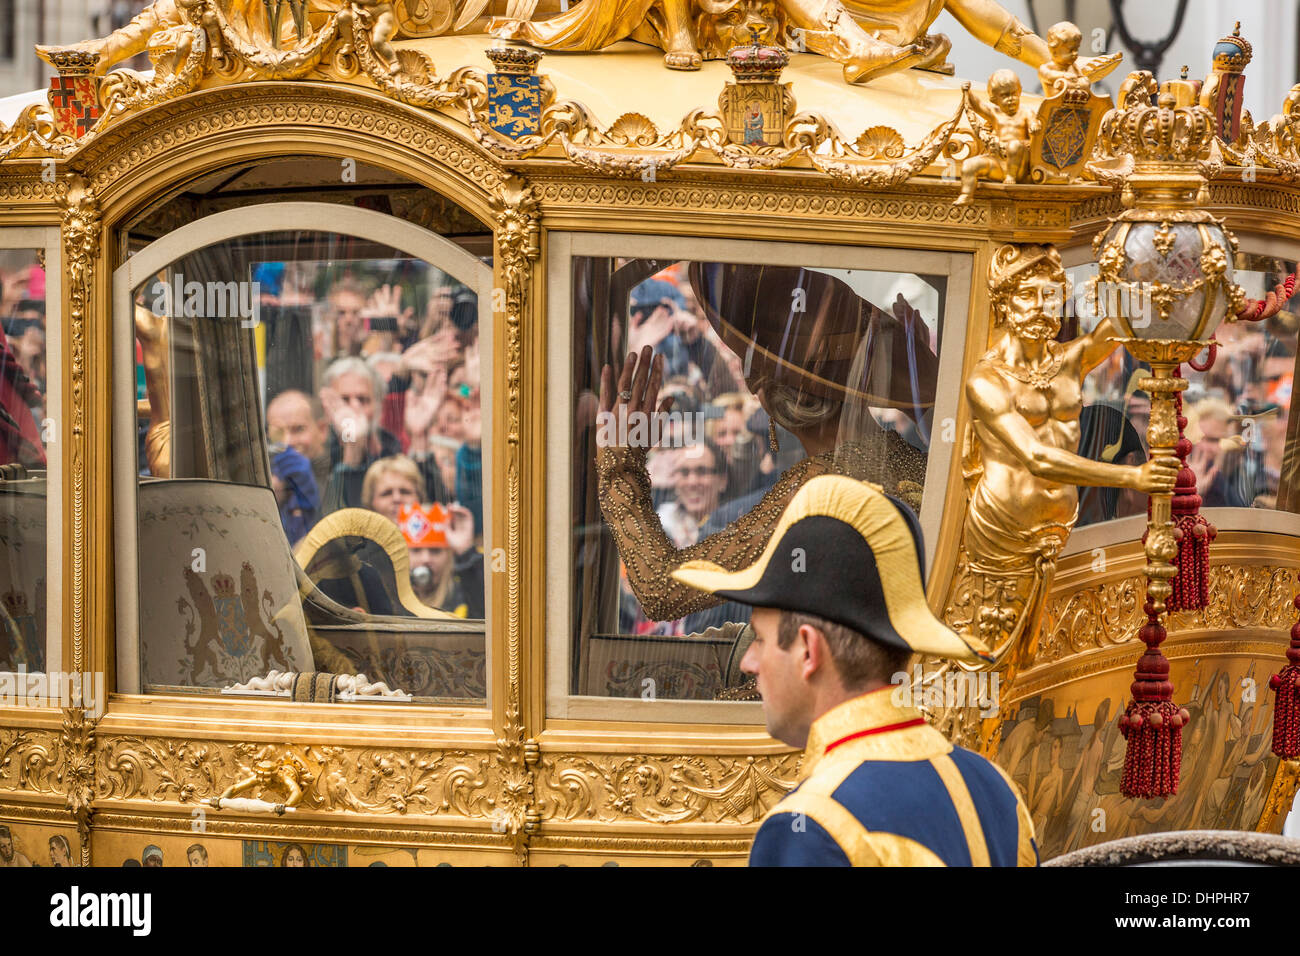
(818, 357)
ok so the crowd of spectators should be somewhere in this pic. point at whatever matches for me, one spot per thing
(393, 422)
(1237, 420)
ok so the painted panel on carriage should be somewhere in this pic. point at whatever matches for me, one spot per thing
(1065, 752)
(274, 853)
(34, 844)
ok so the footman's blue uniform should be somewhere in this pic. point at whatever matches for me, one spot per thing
(881, 787)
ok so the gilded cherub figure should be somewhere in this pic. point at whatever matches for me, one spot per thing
(288, 776)
(383, 27)
(1065, 72)
(1012, 125)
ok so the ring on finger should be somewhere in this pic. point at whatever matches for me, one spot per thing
(625, 396)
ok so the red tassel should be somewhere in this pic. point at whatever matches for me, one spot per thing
(1286, 709)
(1152, 724)
(1192, 530)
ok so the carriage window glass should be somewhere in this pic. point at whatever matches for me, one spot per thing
(310, 460)
(24, 436)
(774, 374)
(1245, 446)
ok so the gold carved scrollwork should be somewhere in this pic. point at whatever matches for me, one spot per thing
(1254, 596)
(34, 135)
(29, 760)
(662, 789)
(335, 779)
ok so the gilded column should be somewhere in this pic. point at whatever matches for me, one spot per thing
(517, 249)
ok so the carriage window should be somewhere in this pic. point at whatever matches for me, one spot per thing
(770, 374)
(1245, 446)
(310, 460)
(24, 436)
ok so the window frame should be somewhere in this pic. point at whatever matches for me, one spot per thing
(1104, 534)
(562, 248)
(328, 218)
(47, 239)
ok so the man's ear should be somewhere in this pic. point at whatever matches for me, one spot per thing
(816, 651)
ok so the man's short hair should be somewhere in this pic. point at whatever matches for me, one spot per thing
(351, 365)
(289, 394)
(196, 846)
(4, 831)
(858, 659)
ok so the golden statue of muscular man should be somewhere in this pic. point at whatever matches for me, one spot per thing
(869, 37)
(1021, 459)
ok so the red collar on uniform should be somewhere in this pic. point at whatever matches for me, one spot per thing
(901, 725)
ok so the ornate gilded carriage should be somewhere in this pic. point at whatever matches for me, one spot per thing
(531, 181)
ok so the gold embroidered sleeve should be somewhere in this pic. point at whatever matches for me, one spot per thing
(648, 554)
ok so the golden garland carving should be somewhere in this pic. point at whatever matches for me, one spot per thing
(81, 238)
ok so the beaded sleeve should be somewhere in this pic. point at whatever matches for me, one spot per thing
(650, 557)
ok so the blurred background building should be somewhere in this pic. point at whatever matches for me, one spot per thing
(25, 23)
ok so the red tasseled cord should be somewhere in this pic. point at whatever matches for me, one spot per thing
(1286, 708)
(1152, 724)
(1192, 531)
(1256, 309)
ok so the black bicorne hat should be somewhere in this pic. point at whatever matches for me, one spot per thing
(844, 551)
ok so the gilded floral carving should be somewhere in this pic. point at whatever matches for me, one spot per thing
(1110, 613)
(29, 760)
(663, 789)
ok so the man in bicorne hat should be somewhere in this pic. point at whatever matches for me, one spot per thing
(839, 608)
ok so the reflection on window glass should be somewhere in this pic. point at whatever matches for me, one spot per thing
(311, 468)
(23, 436)
(1244, 438)
(772, 375)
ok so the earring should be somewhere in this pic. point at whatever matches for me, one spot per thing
(771, 436)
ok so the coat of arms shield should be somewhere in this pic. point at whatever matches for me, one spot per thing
(1068, 122)
(74, 101)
